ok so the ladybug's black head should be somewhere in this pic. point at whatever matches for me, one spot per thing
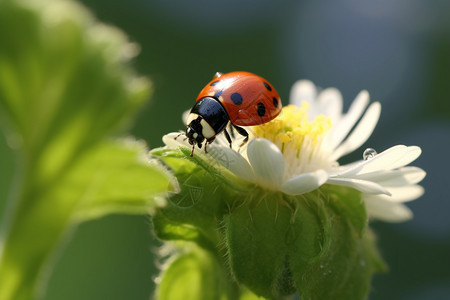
(207, 119)
(194, 130)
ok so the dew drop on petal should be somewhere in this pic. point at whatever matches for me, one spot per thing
(369, 153)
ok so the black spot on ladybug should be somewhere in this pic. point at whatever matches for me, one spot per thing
(214, 83)
(275, 102)
(267, 86)
(236, 98)
(217, 95)
(261, 109)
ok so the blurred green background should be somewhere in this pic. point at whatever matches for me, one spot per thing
(399, 52)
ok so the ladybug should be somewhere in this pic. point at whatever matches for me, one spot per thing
(236, 98)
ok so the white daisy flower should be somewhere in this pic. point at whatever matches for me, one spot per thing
(298, 152)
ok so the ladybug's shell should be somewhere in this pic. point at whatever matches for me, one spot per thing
(248, 98)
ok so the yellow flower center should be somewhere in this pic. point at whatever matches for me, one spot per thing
(292, 127)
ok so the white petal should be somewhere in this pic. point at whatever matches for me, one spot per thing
(175, 140)
(392, 178)
(402, 194)
(303, 90)
(410, 155)
(304, 183)
(364, 186)
(343, 169)
(386, 210)
(233, 161)
(361, 132)
(406, 193)
(330, 102)
(383, 161)
(340, 130)
(267, 162)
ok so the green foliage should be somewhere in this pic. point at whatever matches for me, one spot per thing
(199, 270)
(193, 214)
(317, 245)
(346, 256)
(66, 89)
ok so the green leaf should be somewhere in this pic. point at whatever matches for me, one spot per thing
(66, 88)
(195, 274)
(346, 258)
(193, 213)
(256, 239)
(262, 238)
(114, 177)
(346, 202)
(315, 244)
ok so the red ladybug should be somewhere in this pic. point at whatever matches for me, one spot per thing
(238, 98)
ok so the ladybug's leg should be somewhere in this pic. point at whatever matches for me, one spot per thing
(242, 132)
(228, 137)
(192, 152)
(199, 146)
(232, 131)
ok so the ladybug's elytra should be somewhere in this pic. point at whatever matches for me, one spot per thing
(236, 98)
